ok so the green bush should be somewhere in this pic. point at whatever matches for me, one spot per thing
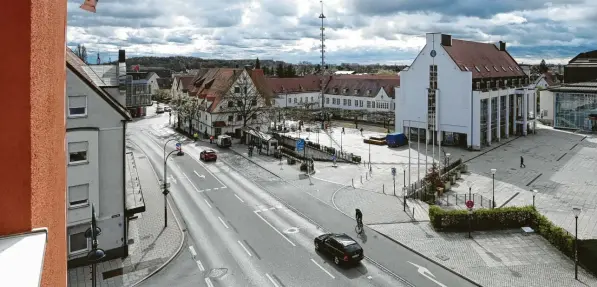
(511, 218)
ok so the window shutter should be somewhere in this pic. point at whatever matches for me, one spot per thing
(77, 101)
(78, 194)
(78, 147)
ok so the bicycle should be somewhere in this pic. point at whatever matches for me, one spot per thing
(359, 228)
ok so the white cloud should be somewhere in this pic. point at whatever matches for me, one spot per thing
(370, 31)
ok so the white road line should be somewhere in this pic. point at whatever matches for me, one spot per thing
(208, 282)
(270, 225)
(323, 268)
(263, 210)
(245, 248)
(185, 176)
(206, 169)
(207, 189)
(257, 211)
(272, 208)
(201, 268)
(193, 253)
(215, 188)
(241, 200)
(197, 174)
(272, 280)
(207, 203)
(224, 223)
(223, 187)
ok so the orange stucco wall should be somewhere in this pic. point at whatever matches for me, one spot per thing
(32, 126)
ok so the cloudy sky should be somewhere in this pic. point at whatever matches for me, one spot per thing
(357, 31)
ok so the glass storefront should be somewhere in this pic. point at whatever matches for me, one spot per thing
(494, 119)
(572, 111)
(483, 135)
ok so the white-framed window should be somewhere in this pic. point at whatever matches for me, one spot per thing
(361, 104)
(349, 102)
(368, 104)
(344, 102)
(77, 106)
(78, 196)
(311, 99)
(290, 100)
(236, 89)
(78, 243)
(295, 100)
(77, 152)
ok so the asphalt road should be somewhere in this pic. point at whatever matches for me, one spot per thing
(246, 237)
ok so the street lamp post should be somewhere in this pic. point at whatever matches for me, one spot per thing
(369, 156)
(404, 197)
(534, 191)
(493, 170)
(166, 144)
(341, 142)
(166, 191)
(576, 212)
(470, 188)
(448, 159)
(470, 214)
(96, 253)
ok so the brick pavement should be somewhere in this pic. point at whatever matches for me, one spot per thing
(150, 244)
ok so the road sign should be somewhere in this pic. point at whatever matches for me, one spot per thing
(470, 203)
(300, 145)
(393, 171)
(178, 146)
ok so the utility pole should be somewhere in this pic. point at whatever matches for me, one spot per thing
(322, 69)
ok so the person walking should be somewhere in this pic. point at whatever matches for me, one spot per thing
(522, 165)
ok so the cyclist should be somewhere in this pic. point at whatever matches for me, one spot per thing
(359, 217)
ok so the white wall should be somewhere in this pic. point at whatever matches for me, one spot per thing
(380, 97)
(87, 173)
(300, 98)
(547, 104)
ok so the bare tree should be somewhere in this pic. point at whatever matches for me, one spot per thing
(186, 108)
(244, 102)
(81, 52)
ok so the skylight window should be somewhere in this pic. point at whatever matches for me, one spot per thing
(496, 69)
(504, 69)
(517, 69)
(510, 68)
(486, 68)
(477, 68)
(466, 68)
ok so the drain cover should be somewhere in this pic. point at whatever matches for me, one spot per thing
(218, 272)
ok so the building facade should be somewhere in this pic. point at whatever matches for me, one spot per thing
(571, 106)
(464, 93)
(227, 101)
(180, 85)
(296, 92)
(582, 68)
(370, 93)
(96, 171)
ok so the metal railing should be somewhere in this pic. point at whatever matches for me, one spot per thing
(460, 199)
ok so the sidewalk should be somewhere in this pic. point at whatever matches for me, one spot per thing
(151, 246)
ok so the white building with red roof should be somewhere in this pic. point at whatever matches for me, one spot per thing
(471, 94)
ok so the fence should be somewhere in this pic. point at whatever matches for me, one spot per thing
(456, 199)
(324, 152)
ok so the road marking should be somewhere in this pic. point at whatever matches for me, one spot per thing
(207, 203)
(208, 171)
(185, 175)
(207, 189)
(215, 188)
(278, 231)
(224, 223)
(199, 175)
(245, 248)
(272, 208)
(201, 268)
(172, 179)
(193, 253)
(263, 210)
(241, 200)
(427, 274)
(223, 187)
(208, 282)
(272, 280)
(321, 267)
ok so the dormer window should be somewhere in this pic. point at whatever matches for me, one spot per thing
(466, 68)
(356, 91)
(335, 90)
(496, 69)
(477, 68)
(478, 85)
(517, 69)
(505, 83)
(510, 68)
(503, 68)
(486, 68)
(345, 91)
(368, 92)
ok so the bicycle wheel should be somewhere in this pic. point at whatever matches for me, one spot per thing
(358, 229)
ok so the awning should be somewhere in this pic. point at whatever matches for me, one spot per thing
(22, 258)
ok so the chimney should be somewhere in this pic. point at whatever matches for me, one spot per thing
(121, 73)
(502, 46)
(446, 40)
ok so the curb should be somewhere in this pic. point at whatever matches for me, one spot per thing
(182, 241)
(255, 163)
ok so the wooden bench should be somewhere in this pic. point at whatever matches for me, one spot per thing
(527, 230)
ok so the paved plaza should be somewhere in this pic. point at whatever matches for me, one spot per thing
(150, 244)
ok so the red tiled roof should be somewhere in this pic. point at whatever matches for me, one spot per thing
(363, 83)
(185, 81)
(550, 78)
(261, 84)
(309, 83)
(483, 60)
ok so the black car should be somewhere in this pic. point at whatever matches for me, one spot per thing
(341, 247)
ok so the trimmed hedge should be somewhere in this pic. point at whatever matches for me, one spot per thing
(511, 218)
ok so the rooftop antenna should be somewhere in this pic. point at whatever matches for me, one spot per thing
(322, 69)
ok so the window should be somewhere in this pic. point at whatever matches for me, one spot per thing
(253, 103)
(327, 100)
(503, 68)
(77, 106)
(78, 196)
(477, 68)
(486, 68)
(496, 69)
(230, 118)
(478, 85)
(311, 98)
(254, 116)
(77, 152)
(335, 90)
(245, 90)
(236, 90)
(368, 92)
(295, 100)
(356, 91)
(466, 68)
(239, 117)
(301, 101)
(517, 69)
(368, 104)
(350, 102)
(510, 68)
(346, 91)
(290, 100)
(361, 103)
(78, 243)
(230, 104)
(239, 103)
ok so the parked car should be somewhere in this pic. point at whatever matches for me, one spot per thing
(224, 141)
(167, 109)
(341, 247)
(159, 110)
(208, 155)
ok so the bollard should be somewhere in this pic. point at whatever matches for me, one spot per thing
(366, 176)
(413, 213)
(456, 195)
(352, 182)
(465, 198)
(361, 179)
(448, 200)
(383, 188)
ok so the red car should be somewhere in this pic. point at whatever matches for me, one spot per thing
(208, 155)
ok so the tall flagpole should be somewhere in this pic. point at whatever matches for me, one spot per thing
(418, 150)
(426, 141)
(409, 138)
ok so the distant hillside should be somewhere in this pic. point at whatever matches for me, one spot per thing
(179, 63)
